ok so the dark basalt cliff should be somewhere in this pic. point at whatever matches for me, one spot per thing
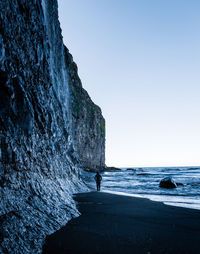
(88, 124)
(49, 127)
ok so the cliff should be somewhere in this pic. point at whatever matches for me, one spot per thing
(88, 124)
(41, 130)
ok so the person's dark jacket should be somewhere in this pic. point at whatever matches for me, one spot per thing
(98, 178)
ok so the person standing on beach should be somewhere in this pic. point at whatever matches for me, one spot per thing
(98, 179)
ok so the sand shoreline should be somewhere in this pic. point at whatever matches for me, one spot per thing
(170, 203)
(120, 224)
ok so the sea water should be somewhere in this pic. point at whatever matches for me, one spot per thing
(144, 182)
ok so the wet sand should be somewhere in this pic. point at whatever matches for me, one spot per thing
(121, 225)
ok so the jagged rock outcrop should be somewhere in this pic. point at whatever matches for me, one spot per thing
(88, 124)
(38, 159)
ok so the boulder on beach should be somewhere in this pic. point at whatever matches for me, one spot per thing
(168, 183)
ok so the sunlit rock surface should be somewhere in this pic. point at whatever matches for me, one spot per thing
(39, 162)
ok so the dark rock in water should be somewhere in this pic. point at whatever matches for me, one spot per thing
(179, 184)
(40, 150)
(132, 169)
(93, 169)
(111, 169)
(168, 183)
(101, 169)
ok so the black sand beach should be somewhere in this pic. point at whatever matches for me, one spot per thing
(119, 224)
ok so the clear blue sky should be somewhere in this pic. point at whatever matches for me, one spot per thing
(140, 62)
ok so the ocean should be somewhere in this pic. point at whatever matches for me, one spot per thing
(144, 182)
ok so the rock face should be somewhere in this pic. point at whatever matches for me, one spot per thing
(40, 152)
(168, 183)
(88, 124)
